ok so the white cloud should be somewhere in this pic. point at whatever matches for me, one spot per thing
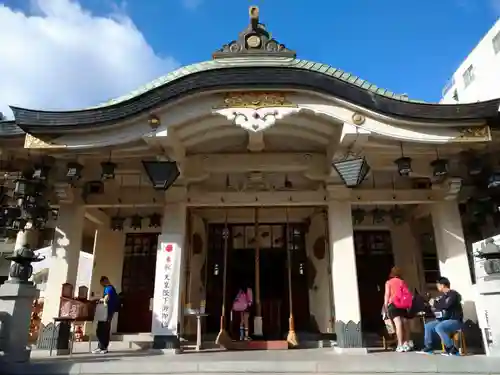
(60, 56)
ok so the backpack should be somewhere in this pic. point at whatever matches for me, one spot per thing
(241, 302)
(403, 298)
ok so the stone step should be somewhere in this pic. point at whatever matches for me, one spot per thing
(307, 361)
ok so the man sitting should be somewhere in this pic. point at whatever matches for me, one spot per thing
(449, 318)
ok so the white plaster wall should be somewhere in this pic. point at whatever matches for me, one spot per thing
(486, 84)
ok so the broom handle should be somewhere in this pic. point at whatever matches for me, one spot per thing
(225, 235)
(257, 263)
(329, 257)
(289, 261)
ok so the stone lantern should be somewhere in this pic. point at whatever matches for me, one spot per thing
(16, 299)
(21, 268)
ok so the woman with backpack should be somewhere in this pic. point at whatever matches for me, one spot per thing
(397, 302)
(242, 305)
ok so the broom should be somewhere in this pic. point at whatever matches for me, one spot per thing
(291, 338)
(223, 339)
(257, 320)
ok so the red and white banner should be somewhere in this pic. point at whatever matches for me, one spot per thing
(167, 288)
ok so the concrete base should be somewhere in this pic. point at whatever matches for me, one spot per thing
(18, 356)
(356, 351)
(16, 301)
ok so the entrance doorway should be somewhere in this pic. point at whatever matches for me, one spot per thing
(374, 260)
(139, 266)
(273, 276)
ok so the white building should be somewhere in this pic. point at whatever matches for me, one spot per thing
(478, 77)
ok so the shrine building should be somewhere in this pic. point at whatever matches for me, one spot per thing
(225, 171)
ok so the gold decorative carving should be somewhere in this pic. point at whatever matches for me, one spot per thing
(256, 100)
(34, 142)
(476, 133)
(358, 119)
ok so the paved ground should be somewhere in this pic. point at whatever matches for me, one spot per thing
(310, 361)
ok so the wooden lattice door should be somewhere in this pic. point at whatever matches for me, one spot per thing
(139, 267)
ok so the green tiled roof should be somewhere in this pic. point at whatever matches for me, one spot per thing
(258, 62)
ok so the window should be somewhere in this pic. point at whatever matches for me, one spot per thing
(469, 75)
(496, 43)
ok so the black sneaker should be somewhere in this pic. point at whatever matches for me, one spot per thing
(451, 352)
(426, 351)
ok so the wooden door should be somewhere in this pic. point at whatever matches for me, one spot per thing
(374, 260)
(215, 264)
(300, 285)
(139, 267)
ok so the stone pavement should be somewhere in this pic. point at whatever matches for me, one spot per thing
(308, 361)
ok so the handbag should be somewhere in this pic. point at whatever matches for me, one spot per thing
(101, 313)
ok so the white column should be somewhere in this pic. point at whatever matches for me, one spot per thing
(65, 256)
(452, 253)
(169, 277)
(344, 278)
(108, 254)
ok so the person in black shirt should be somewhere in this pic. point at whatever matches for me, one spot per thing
(449, 315)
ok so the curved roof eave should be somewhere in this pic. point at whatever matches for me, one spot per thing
(10, 129)
(244, 73)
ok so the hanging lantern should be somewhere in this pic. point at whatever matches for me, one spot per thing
(378, 216)
(154, 121)
(108, 170)
(41, 172)
(74, 172)
(136, 222)
(358, 216)
(404, 165)
(117, 223)
(155, 220)
(494, 179)
(439, 167)
(352, 171)
(474, 165)
(397, 215)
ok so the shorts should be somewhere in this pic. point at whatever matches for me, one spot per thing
(395, 312)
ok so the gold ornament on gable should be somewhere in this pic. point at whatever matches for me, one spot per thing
(256, 100)
(36, 143)
(475, 133)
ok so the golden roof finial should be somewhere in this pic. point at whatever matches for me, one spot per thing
(253, 11)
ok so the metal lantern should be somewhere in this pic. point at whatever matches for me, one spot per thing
(404, 165)
(439, 167)
(352, 171)
(378, 215)
(162, 174)
(41, 172)
(358, 216)
(155, 220)
(117, 223)
(74, 171)
(494, 180)
(108, 170)
(397, 215)
(136, 222)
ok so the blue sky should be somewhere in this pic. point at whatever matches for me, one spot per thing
(408, 47)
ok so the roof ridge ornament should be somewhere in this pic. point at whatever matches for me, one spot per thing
(254, 41)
